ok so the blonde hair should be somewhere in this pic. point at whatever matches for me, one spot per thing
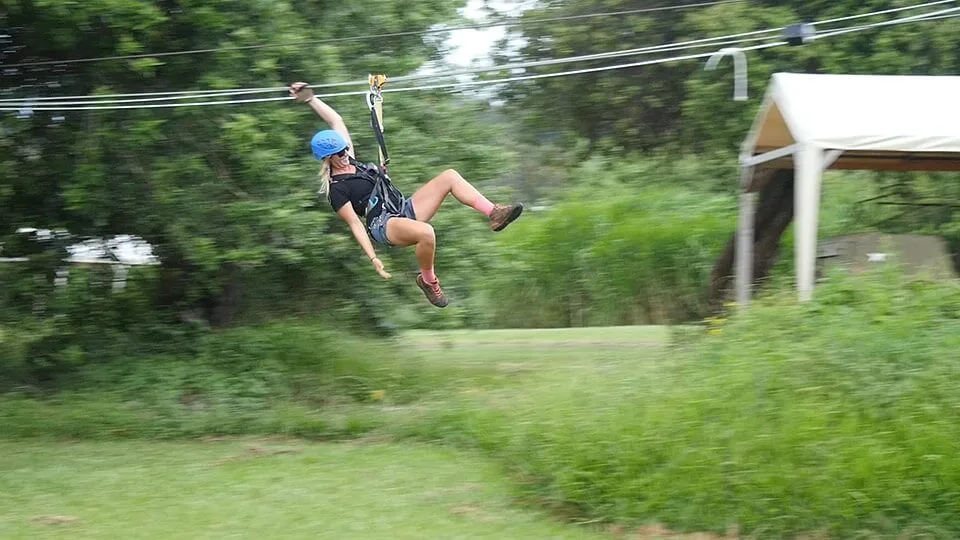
(325, 176)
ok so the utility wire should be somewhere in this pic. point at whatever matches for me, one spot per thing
(669, 47)
(920, 17)
(886, 11)
(704, 42)
(941, 17)
(20, 105)
(714, 41)
(441, 30)
(407, 89)
(224, 93)
(199, 93)
(370, 36)
(166, 97)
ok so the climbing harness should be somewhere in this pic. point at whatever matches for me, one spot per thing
(384, 192)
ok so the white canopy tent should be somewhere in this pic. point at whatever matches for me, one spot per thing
(813, 122)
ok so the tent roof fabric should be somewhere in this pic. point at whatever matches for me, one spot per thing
(879, 121)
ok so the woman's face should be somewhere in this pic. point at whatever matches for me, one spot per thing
(340, 160)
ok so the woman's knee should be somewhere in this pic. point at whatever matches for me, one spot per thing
(405, 232)
(427, 235)
(451, 175)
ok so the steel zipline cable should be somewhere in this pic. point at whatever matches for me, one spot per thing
(165, 96)
(734, 39)
(705, 42)
(480, 26)
(698, 43)
(501, 23)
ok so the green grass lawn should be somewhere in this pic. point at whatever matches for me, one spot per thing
(297, 489)
(526, 362)
(259, 489)
(835, 419)
(603, 336)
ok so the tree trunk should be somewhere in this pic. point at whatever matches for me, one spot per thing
(773, 216)
(224, 310)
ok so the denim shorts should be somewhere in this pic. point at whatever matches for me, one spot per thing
(378, 226)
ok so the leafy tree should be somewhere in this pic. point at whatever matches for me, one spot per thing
(226, 194)
(220, 191)
(679, 103)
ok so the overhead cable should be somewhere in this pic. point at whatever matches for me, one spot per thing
(479, 26)
(671, 47)
(441, 30)
(523, 65)
(404, 89)
(9, 105)
(885, 12)
(912, 18)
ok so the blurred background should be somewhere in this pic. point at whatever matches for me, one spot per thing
(168, 271)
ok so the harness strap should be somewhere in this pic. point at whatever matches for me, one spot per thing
(375, 103)
(383, 189)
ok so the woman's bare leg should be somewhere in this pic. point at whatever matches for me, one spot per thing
(407, 232)
(427, 199)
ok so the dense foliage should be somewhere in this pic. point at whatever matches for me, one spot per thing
(837, 416)
(828, 419)
(634, 168)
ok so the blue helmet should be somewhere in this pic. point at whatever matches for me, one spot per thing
(327, 143)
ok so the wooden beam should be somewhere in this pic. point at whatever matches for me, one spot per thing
(901, 163)
(897, 164)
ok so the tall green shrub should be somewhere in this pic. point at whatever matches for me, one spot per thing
(618, 255)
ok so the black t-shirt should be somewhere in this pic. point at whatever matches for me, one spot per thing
(354, 189)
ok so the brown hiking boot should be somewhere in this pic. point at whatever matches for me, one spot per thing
(433, 291)
(502, 215)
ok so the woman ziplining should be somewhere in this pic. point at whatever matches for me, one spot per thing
(391, 218)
